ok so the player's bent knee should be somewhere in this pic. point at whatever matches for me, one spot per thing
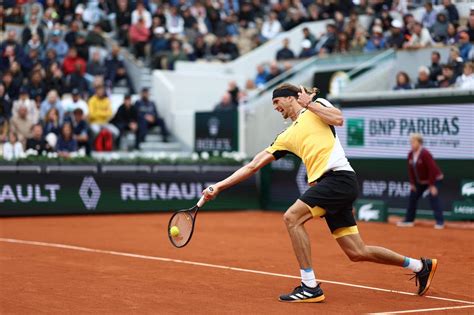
(290, 218)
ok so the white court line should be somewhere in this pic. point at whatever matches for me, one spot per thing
(426, 310)
(187, 262)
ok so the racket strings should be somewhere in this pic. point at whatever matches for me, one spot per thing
(184, 222)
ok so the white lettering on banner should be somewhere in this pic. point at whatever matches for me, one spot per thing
(162, 191)
(398, 189)
(127, 191)
(373, 188)
(383, 131)
(28, 193)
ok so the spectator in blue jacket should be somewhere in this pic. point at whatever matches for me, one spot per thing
(116, 70)
(66, 143)
(148, 117)
(376, 41)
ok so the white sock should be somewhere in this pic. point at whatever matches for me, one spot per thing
(308, 278)
(414, 265)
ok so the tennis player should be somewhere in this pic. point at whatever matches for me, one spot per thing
(333, 189)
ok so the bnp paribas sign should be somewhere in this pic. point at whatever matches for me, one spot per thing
(384, 131)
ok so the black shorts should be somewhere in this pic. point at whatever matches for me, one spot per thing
(335, 192)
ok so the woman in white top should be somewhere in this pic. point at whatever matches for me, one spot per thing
(13, 149)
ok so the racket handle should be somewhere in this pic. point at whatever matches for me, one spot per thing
(201, 202)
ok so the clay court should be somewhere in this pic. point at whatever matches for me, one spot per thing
(236, 263)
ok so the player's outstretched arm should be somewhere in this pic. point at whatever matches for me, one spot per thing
(259, 161)
(325, 110)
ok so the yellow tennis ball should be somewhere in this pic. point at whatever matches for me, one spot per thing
(174, 231)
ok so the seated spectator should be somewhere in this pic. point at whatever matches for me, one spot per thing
(451, 11)
(294, 18)
(233, 89)
(11, 89)
(100, 112)
(29, 104)
(201, 49)
(306, 51)
(52, 101)
(94, 37)
(116, 69)
(396, 38)
(34, 44)
(33, 27)
(51, 122)
(70, 105)
(13, 149)
(71, 35)
(126, 118)
(376, 41)
(37, 141)
(148, 117)
(470, 24)
(159, 43)
(225, 104)
(36, 86)
(327, 42)
(261, 77)
(435, 67)
(21, 124)
(174, 21)
(466, 80)
(359, 41)
(57, 44)
(95, 66)
(285, 53)
(403, 82)
(271, 27)
(447, 78)
(342, 44)
(424, 81)
(17, 74)
(82, 46)
(274, 71)
(77, 80)
(5, 113)
(420, 38)
(309, 36)
(230, 49)
(429, 16)
(176, 54)
(55, 79)
(439, 30)
(80, 129)
(139, 34)
(123, 21)
(466, 48)
(71, 60)
(51, 57)
(66, 143)
(455, 61)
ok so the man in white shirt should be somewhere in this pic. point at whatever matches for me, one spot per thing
(141, 12)
(466, 80)
(420, 38)
(26, 101)
(271, 27)
(76, 101)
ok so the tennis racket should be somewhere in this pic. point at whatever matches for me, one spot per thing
(184, 221)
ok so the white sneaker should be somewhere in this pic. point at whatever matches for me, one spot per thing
(405, 224)
(439, 226)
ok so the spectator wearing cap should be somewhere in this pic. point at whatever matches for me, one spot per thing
(25, 101)
(424, 81)
(126, 118)
(285, 52)
(57, 44)
(75, 102)
(148, 117)
(403, 82)
(455, 60)
(52, 101)
(396, 38)
(271, 27)
(21, 124)
(139, 34)
(116, 69)
(466, 49)
(447, 78)
(451, 11)
(420, 38)
(100, 112)
(466, 80)
(429, 16)
(71, 61)
(80, 129)
(376, 41)
(439, 30)
(306, 49)
(435, 67)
